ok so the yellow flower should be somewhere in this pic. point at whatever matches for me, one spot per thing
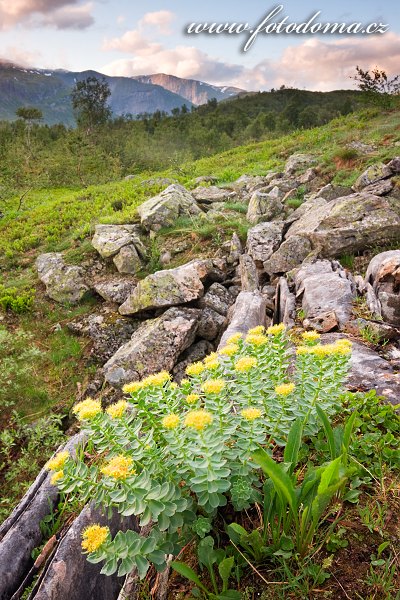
(212, 365)
(259, 330)
(192, 398)
(284, 389)
(304, 350)
(245, 363)
(87, 409)
(115, 411)
(58, 461)
(157, 380)
(251, 413)
(213, 386)
(344, 342)
(93, 537)
(310, 336)
(230, 350)
(198, 419)
(170, 421)
(131, 388)
(173, 385)
(257, 340)
(276, 329)
(119, 467)
(233, 339)
(210, 358)
(185, 382)
(195, 369)
(56, 477)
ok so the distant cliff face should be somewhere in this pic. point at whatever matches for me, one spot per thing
(197, 92)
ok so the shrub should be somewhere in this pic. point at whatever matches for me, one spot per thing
(18, 302)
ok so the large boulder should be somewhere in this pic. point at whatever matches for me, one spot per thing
(155, 346)
(211, 194)
(289, 255)
(163, 210)
(263, 240)
(299, 162)
(349, 224)
(64, 283)
(248, 311)
(109, 239)
(128, 260)
(265, 206)
(170, 287)
(373, 174)
(383, 274)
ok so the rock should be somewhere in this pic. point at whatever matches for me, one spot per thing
(163, 210)
(264, 207)
(129, 177)
(349, 224)
(383, 274)
(394, 165)
(331, 192)
(327, 295)
(193, 354)
(128, 260)
(235, 250)
(372, 174)
(211, 324)
(297, 162)
(165, 258)
(69, 576)
(380, 188)
(248, 274)
(285, 306)
(289, 255)
(115, 290)
(361, 147)
(109, 239)
(308, 205)
(308, 176)
(208, 195)
(263, 240)
(218, 298)
(107, 332)
(380, 332)
(247, 312)
(64, 283)
(158, 181)
(249, 183)
(170, 287)
(155, 346)
(205, 179)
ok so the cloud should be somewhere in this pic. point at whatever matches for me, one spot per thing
(159, 20)
(20, 57)
(62, 14)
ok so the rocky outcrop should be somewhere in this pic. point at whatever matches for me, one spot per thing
(263, 240)
(155, 346)
(383, 277)
(123, 244)
(172, 287)
(64, 283)
(375, 173)
(265, 206)
(163, 210)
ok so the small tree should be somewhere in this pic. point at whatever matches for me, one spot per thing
(89, 101)
(377, 85)
(29, 115)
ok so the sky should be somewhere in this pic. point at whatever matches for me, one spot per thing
(127, 37)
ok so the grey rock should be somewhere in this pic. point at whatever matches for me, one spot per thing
(331, 192)
(394, 165)
(361, 147)
(115, 290)
(109, 239)
(211, 194)
(373, 174)
(155, 346)
(298, 162)
(383, 274)
(289, 255)
(235, 250)
(205, 179)
(218, 298)
(247, 312)
(380, 188)
(193, 354)
(128, 260)
(248, 274)
(263, 240)
(211, 324)
(264, 207)
(163, 210)
(64, 283)
(285, 307)
(170, 287)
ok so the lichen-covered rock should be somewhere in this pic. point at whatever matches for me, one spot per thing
(380, 188)
(218, 298)
(155, 346)
(128, 260)
(163, 210)
(298, 162)
(265, 206)
(373, 174)
(64, 283)
(170, 287)
(331, 192)
(289, 255)
(115, 290)
(235, 250)
(109, 239)
(211, 194)
(211, 324)
(383, 274)
(394, 165)
(263, 240)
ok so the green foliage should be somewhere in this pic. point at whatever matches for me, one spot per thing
(89, 102)
(17, 302)
(378, 86)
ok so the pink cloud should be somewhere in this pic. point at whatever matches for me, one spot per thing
(62, 14)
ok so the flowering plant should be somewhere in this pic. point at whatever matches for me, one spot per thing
(168, 453)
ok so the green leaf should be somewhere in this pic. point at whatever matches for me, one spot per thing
(348, 430)
(281, 480)
(291, 454)
(184, 570)
(328, 431)
(225, 569)
(142, 565)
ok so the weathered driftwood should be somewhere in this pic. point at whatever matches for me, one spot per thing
(69, 576)
(21, 533)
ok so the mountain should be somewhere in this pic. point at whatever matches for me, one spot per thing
(197, 92)
(50, 92)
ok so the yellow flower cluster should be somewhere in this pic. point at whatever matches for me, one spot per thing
(310, 336)
(198, 419)
(119, 467)
(340, 348)
(56, 477)
(170, 421)
(284, 389)
(259, 330)
(56, 463)
(133, 387)
(230, 350)
(195, 369)
(115, 411)
(93, 537)
(233, 339)
(213, 386)
(87, 409)
(156, 380)
(192, 398)
(257, 339)
(276, 329)
(210, 358)
(246, 363)
(251, 413)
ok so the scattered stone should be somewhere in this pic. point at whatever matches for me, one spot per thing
(263, 240)
(211, 324)
(205, 179)
(308, 176)
(128, 260)
(211, 194)
(193, 354)
(264, 207)
(115, 290)
(383, 274)
(394, 165)
(380, 188)
(155, 346)
(218, 298)
(235, 250)
(373, 174)
(109, 239)
(297, 162)
(64, 283)
(289, 255)
(164, 209)
(361, 147)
